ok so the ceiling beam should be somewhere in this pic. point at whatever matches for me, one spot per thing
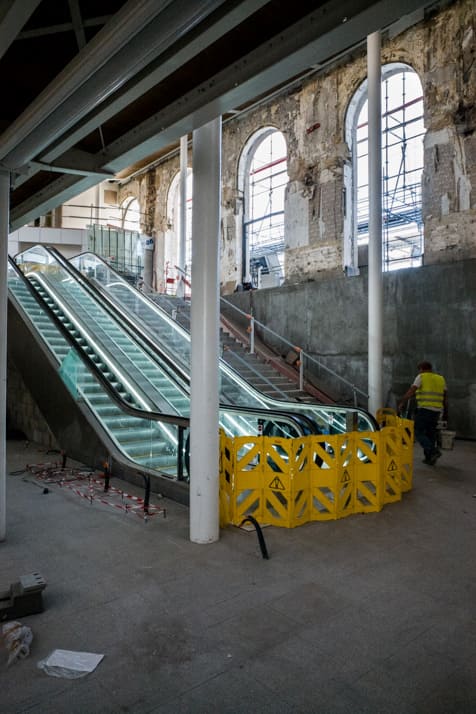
(77, 23)
(13, 16)
(323, 34)
(113, 104)
(63, 27)
(29, 127)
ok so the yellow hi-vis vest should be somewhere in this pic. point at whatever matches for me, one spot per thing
(430, 394)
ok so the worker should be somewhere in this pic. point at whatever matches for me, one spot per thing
(432, 403)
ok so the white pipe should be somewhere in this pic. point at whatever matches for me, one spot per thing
(204, 385)
(375, 295)
(252, 335)
(183, 216)
(4, 219)
(115, 35)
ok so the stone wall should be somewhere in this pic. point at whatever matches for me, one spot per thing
(312, 118)
(332, 307)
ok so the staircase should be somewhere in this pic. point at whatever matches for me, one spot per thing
(264, 370)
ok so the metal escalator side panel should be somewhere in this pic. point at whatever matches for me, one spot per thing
(150, 444)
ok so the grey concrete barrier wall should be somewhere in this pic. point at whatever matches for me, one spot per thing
(429, 313)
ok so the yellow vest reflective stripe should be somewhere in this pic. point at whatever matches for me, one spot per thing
(430, 394)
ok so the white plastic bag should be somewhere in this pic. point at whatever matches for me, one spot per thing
(68, 664)
(17, 639)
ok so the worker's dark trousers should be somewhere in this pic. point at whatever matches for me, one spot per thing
(426, 422)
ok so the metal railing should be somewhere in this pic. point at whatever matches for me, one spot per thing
(301, 354)
(304, 359)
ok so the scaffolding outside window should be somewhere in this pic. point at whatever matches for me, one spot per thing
(264, 219)
(172, 236)
(130, 210)
(402, 165)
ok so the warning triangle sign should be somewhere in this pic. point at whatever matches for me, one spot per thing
(345, 477)
(277, 484)
(392, 466)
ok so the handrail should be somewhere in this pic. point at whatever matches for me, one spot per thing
(297, 419)
(115, 311)
(262, 377)
(181, 423)
(225, 366)
(302, 423)
(302, 355)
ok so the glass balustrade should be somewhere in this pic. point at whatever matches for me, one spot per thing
(93, 336)
(174, 340)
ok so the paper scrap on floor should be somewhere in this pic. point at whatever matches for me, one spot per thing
(69, 664)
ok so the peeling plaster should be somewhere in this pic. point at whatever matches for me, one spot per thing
(441, 50)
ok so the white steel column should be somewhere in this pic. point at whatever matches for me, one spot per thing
(4, 221)
(205, 313)
(183, 217)
(375, 296)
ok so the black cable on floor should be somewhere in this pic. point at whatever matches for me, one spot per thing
(259, 533)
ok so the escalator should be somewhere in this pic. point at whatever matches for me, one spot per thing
(135, 404)
(173, 343)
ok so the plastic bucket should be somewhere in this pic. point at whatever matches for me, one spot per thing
(447, 439)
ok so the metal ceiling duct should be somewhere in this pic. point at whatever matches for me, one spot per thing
(33, 123)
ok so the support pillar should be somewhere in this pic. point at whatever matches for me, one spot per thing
(4, 230)
(375, 287)
(205, 313)
(183, 217)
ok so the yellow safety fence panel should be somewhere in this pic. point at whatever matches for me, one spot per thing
(367, 458)
(289, 482)
(406, 428)
(331, 477)
(226, 479)
(389, 417)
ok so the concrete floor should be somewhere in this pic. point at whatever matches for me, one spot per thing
(373, 613)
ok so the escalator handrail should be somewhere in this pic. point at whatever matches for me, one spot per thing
(184, 422)
(122, 317)
(133, 330)
(156, 347)
(90, 364)
(115, 366)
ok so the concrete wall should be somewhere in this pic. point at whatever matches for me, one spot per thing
(70, 241)
(23, 413)
(429, 314)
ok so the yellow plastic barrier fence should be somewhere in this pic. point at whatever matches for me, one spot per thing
(289, 482)
(388, 417)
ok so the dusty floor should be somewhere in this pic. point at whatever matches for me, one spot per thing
(373, 613)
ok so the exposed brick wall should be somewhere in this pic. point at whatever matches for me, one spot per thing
(312, 118)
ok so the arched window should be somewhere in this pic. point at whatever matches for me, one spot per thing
(130, 214)
(172, 236)
(402, 165)
(263, 179)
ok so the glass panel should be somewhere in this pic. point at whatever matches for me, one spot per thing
(175, 341)
(402, 164)
(132, 371)
(56, 281)
(145, 441)
(264, 226)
